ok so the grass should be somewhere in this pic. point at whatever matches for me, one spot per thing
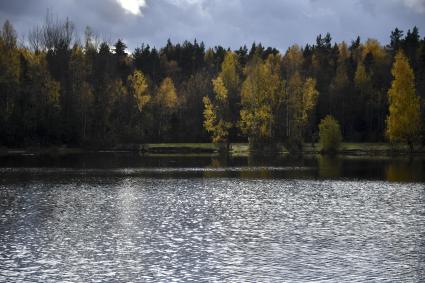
(243, 148)
(371, 146)
(181, 145)
(185, 148)
(237, 149)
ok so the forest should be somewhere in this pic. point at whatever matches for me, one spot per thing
(61, 88)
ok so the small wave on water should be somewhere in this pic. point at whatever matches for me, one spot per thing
(141, 229)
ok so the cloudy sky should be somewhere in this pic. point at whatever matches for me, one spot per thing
(231, 23)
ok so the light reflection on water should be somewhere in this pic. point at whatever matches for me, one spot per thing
(210, 166)
(123, 228)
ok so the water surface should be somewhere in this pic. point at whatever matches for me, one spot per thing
(128, 218)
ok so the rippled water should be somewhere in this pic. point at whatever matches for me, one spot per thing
(126, 227)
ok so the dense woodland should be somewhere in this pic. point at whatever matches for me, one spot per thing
(57, 87)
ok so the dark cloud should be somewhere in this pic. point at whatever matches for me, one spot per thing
(277, 23)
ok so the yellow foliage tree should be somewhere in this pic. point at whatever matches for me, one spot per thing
(310, 96)
(166, 96)
(230, 72)
(220, 90)
(293, 60)
(344, 52)
(302, 99)
(138, 87)
(262, 92)
(215, 121)
(218, 128)
(362, 79)
(166, 102)
(403, 121)
(374, 47)
(218, 116)
(329, 134)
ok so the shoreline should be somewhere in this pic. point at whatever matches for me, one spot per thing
(237, 149)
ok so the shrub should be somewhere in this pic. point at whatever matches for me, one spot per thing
(329, 135)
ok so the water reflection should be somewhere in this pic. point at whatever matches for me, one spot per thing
(19, 168)
(120, 217)
(405, 170)
(329, 167)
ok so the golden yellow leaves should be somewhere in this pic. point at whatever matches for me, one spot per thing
(218, 128)
(262, 92)
(330, 134)
(138, 87)
(217, 116)
(403, 121)
(220, 90)
(310, 96)
(166, 95)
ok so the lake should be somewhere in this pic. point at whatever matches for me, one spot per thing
(125, 217)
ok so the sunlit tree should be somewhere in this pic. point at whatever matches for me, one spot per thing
(220, 113)
(403, 121)
(310, 96)
(329, 135)
(139, 89)
(166, 104)
(166, 95)
(262, 93)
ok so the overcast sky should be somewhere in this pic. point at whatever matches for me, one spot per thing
(231, 23)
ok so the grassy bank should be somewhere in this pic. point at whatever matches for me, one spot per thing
(242, 148)
(354, 149)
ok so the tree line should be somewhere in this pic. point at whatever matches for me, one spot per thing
(57, 88)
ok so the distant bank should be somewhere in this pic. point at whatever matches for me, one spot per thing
(355, 149)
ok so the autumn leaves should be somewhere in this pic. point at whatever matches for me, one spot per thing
(265, 100)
